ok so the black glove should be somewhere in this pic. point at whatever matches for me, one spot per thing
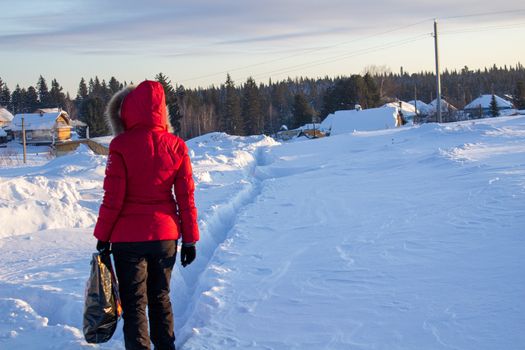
(187, 253)
(103, 247)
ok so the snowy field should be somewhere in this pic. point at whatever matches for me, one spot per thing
(408, 238)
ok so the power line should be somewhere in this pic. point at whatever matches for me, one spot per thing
(345, 56)
(482, 29)
(307, 51)
(483, 14)
(357, 53)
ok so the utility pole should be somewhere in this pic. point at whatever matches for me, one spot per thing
(416, 118)
(24, 139)
(314, 119)
(438, 76)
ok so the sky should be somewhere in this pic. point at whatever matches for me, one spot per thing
(197, 42)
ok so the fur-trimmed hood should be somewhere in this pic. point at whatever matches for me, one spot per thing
(142, 106)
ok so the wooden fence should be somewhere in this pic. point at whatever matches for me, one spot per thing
(69, 146)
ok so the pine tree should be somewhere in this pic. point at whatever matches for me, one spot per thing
(92, 113)
(302, 111)
(372, 92)
(104, 91)
(232, 119)
(175, 115)
(175, 112)
(2, 102)
(281, 104)
(345, 94)
(358, 90)
(43, 93)
(17, 100)
(91, 87)
(251, 108)
(31, 99)
(5, 95)
(97, 89)
(519, 95)
(82, 91)
(71, 107)
(493, 108)
(56, 97)
(219, 99)
(267, 110)
(114, 86)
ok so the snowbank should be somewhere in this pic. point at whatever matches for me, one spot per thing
(64, 192)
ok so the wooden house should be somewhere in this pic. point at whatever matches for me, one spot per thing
(480, 107)
(5, 117)
(446, 107)
(42, 127)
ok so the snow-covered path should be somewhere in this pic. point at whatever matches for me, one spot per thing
(46, 217)
(399, 239)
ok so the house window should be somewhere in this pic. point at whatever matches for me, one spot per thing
(29, 135)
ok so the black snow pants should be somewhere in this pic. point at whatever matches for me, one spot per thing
(144, 272)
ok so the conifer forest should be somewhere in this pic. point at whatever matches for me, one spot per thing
(250, 107)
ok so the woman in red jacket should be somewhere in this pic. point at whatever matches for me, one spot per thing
(139, 214)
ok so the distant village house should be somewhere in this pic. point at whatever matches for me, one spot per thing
(5, 117)
(43, 126)
(480, 107)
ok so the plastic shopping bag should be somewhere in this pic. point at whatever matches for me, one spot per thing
(102, 307)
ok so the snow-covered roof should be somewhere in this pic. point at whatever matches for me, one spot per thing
(347, 121)
(48, 110)
(445, 106)
(421, 106)
(484, 102)
(406, 108)
(310, 126)
(37, 121)
(76, 123)
(5, 115)
(2, 133)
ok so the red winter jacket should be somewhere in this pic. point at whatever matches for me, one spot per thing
(144, 165)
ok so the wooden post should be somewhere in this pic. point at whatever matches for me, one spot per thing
(438, 77)
(416, 117)
(24, 139)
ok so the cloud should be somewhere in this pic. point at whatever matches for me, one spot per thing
(284, 36)
(182, 27)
